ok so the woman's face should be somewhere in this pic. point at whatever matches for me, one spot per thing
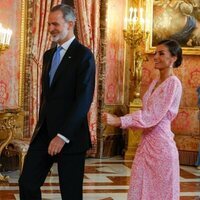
(163, 58)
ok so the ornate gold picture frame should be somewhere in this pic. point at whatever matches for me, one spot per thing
(178, 20)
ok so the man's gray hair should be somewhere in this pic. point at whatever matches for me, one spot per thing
(68, 12)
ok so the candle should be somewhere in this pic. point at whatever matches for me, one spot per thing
(131, 13)
(1, 34)
(135, 13)
(134, 20)
(9, 33)
(5, 35)
(147, 24)
(136, 17)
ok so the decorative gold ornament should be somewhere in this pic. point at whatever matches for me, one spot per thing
(135, 35)
(7, 125)
(6, 122)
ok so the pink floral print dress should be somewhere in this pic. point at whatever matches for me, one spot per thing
(155, 169)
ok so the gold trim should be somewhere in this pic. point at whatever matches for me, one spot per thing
(149, 47)
(22, 52)
(101, 81)
(125, 63)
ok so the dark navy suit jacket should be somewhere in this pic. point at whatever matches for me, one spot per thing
(65, 104)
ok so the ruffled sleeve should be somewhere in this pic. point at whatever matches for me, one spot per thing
(156, 106)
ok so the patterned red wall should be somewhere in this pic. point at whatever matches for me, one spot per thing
(10, 17)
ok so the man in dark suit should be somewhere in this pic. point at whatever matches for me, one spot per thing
(61, 134)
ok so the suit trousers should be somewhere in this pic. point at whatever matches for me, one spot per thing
(38, 164)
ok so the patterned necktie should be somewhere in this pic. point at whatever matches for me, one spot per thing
(54, 64)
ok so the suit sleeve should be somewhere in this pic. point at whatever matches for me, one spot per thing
(84, 96)
(42, 79)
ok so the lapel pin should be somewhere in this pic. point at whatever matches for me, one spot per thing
(69, 57)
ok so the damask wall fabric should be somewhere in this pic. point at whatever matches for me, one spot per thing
(10, 58)
(88, 25)
(114, 77)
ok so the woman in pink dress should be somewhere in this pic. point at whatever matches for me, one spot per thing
(155, 169)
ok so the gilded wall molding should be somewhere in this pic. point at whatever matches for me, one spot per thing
(23, 33)
(101, 77)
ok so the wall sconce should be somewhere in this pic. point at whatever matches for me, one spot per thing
(5, 36)
(135, 33)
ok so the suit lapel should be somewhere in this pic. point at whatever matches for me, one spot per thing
(47, 69)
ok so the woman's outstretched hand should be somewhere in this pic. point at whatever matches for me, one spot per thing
(110, 119)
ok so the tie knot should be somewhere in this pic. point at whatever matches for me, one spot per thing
(59, 49)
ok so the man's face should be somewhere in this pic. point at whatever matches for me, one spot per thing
(58, 27)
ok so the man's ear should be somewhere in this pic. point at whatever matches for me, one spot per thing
(71, 24)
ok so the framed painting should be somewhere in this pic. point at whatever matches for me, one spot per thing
(179, 20)
(12, 60)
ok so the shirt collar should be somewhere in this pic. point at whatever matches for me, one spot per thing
(66, 45)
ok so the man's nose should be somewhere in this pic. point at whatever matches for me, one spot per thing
(50, 27)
